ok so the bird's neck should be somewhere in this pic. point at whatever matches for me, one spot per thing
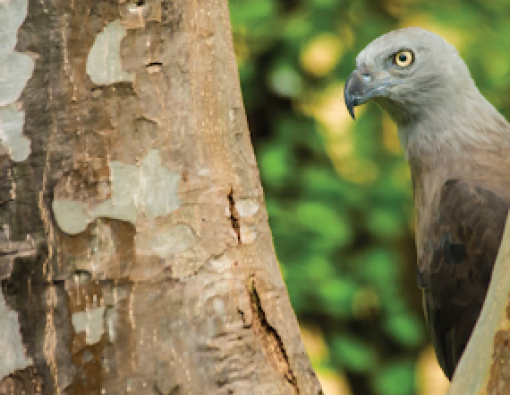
(457, 129)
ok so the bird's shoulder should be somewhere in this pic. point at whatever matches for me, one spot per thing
(456, 262)
(465, 230)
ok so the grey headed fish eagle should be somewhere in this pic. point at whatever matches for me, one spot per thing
(458, 149)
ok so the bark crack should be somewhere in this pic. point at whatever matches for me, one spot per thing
(8, 252)
(272, 343)
(234, 215)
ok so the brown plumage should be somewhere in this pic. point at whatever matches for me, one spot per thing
(458, 149)
(455, 263)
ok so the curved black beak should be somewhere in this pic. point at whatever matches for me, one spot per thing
(362, 86)
(355, 90)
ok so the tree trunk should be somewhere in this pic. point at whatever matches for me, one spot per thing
(485, 365)
(135, 253)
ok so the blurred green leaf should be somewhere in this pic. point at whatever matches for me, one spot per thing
(297, 27)
(379, 266)
(285, 80)
(275, 163)
(337, 295)
(396, 379)
(318, 269)
(331, 229)
(353, 354)
(251, 12)
(384, 223)
(406, 329)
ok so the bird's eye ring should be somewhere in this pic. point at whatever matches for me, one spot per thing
(403, 58)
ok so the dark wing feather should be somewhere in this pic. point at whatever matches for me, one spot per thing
(459, 257)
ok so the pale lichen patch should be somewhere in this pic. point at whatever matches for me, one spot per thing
(125, 182)
(247, 207)
(220, 264)
(12, 15)
(104, 65)
(11, 346)
(15, 70)
(247, 234)
(90, 322)
(11, 133)
(148, 190)
(158, 187)
(70, 215)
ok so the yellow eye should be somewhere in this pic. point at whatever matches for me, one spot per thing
(403, 58)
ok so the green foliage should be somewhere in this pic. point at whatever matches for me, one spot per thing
(404, 328)
(338, 192)
(353, 354)
(395, 379)
(336, 296)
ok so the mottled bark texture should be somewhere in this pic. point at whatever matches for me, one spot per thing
(135, 253)
(485, 366)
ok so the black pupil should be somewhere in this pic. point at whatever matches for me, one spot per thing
(402, 57)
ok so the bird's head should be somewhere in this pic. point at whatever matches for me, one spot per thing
(408, 72)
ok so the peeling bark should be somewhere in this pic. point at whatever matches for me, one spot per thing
(131, 210)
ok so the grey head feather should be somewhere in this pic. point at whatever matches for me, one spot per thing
(434, 102)
(436, 74)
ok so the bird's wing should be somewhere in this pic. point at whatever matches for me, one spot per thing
(459, 255)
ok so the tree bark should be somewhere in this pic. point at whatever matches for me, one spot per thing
(135, 253)
(485, 366)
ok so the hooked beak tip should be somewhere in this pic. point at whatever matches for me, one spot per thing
(350, 103)
(350, 96)
(359, 89)
(350, 108)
